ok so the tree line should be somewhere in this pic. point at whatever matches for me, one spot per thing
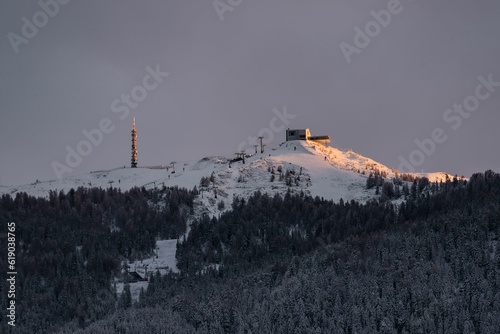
(70, 246)
(271, 264)
(301, 264)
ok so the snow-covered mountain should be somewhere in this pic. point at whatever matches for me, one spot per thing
(314, 168)
(307, 166)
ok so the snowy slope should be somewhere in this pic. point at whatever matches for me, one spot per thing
(340, 175)
(162, 260)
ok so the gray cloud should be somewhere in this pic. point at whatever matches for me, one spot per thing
(226, 78)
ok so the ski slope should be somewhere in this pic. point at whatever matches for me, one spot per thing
(163, 260)
(324, 171)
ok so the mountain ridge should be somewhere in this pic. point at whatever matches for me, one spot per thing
(316, 169)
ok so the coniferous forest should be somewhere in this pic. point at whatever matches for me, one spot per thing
(282, 264)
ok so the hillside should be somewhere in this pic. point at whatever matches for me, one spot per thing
(317, 170)
(253, 262)
(302, 265)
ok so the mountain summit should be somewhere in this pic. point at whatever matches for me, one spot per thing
(295, 165)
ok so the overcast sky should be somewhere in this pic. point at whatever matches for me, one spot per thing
(230, 67)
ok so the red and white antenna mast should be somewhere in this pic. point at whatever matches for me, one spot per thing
(134, 145)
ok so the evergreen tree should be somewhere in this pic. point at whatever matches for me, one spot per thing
(125, 300)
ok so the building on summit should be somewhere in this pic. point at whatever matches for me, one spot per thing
(305, 134)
